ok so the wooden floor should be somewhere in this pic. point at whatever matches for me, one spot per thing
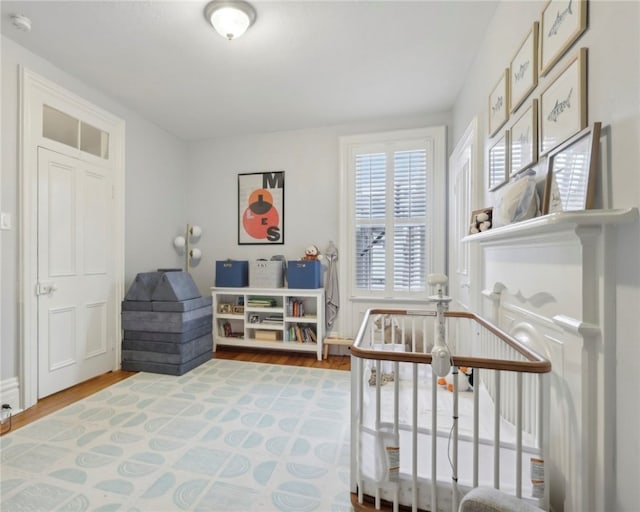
(63, 398)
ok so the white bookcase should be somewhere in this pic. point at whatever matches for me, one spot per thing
(273, 318)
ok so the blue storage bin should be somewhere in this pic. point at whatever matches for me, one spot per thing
(232, 273)
(304, 274)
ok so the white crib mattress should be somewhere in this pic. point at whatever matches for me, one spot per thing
(372, 452)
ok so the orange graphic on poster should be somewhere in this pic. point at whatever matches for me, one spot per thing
(260, 215)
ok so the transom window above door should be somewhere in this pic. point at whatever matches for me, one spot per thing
(66, 129)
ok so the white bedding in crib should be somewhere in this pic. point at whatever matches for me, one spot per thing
(372, 443)
(486, 423)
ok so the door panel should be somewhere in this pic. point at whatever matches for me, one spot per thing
(95, 226)
(459, 215)
(75, 272)
(61, 335)
(96, 329)
(59, 215)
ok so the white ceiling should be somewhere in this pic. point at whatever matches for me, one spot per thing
(303, 64)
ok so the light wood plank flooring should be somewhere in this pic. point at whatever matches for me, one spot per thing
(68, 396)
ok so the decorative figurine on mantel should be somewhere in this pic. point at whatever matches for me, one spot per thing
(480, 221)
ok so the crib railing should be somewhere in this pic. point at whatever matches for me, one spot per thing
(403, 444)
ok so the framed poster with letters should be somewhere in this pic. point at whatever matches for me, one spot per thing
(261, 208)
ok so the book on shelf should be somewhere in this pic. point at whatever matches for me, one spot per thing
(301, 334)
(296, 308)
(261, 302)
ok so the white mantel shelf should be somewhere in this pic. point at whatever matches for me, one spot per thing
(555, 222)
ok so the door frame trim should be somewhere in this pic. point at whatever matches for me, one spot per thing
(34, 90)
(468, 144)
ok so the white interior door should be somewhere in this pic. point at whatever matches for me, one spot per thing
(76, 292)
(459, 219)
(463, 198)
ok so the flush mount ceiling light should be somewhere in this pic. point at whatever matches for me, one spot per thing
(230, 18)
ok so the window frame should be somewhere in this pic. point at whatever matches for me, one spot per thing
(433, 140)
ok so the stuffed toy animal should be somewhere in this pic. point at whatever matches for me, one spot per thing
(480, 222)
(393, 333)
(465, 380)
(312, 253)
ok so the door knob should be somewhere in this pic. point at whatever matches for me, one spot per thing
(45, 288)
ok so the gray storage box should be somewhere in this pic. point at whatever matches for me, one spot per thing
(266, 274)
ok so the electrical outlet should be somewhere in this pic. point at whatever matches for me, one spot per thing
(5, 221)
(5, 412)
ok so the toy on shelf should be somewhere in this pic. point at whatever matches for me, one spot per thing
(312, 253)
(481, 220)
(465, 379)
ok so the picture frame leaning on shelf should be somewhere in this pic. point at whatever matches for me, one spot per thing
(571, 173)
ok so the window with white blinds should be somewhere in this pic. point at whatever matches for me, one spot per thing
(390, 189)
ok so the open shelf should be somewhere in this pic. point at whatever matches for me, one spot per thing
(555, 222)
(288, 315)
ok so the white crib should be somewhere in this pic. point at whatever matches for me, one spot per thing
(415, 443)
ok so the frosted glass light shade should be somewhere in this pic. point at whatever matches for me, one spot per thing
(179, 242)
(230, 18)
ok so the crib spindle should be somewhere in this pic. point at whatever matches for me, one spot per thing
(519, 435)
(434, 444)
(454, 462)
(476, 426)
(496, 433)
(414, 440)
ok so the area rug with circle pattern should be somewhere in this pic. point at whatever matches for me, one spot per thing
(227, 436)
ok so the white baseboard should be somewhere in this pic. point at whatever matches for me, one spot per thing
(10, 393)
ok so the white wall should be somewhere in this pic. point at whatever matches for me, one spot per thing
(613, 40)
(310, 159)
(155, 171)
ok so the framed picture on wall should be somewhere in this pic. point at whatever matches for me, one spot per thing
(524, 140)
(563, 104)
(261, 208)
(563, 22)
(498, 159)
(499, 104)
(571, 174)
(480, 220)
(524, 69)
